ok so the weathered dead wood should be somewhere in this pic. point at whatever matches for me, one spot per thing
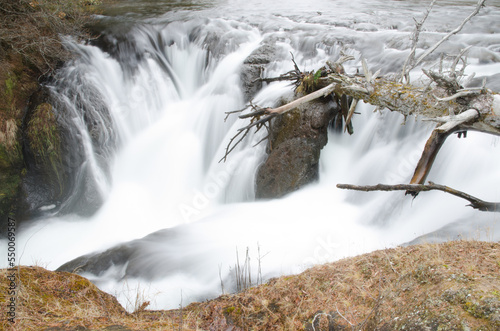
(405, 99)
(309, 97)
(474, 202)
(436, 140)
(411, 62)
(443, 100)
(294, 75)
(431, 104)
(447, 97)
(424, 165)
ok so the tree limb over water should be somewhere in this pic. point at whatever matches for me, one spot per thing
(474, 202)
(443, 100)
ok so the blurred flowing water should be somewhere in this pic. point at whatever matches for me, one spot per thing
(156, 92)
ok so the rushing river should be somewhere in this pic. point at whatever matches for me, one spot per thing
(166, 75)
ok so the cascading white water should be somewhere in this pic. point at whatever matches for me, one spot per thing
(169, 109)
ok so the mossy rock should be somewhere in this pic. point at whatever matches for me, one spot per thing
(295, 142)
(44, 141)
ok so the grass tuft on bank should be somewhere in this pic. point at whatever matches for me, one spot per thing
(449, 286)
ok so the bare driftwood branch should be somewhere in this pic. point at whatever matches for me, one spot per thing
(410, 60)
(474, 202)
(294, 75)
(443, 100)
(309, 97)
(435, 141)
(460, 94)
(476, 113)
(352, 108)
(480, 4)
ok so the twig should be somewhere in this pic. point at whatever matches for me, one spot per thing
(466, 116)
(374, 309)
(230, 148)
(338, 312)
(258, 122)
(309, 97)
(295, 63)
(263, 139)
(459, 95)
(221, 281)
(474, 202)
(350, 113)
(316, 316)
(480, 4)
(181, 317)
(257, 112)
(366, 71)
(293, 75)
(458, 58)
(459, 119)
(416, 34)
(390, 264)
(448, 83)
(234, 112)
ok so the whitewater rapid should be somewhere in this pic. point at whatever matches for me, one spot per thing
(167, 94)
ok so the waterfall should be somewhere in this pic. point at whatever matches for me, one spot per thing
(147, 110)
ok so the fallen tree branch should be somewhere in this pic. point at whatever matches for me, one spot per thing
(436, 140)
(431, 49)
(466, 116)
(261, 116)
(410, 60)
(455, 121)
(474, 202)
(443, 100)
(460, 94)
(424, 165)
(309, 97)
(352, 108)
(294, 75)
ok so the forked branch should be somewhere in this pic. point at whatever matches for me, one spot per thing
(444, 100)
(474, 202)
(411, 62)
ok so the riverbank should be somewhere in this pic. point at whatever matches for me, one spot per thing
(449, 286)
(31, 50)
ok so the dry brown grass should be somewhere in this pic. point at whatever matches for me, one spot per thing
(451, 286)
(32, 28)
(448, 286)
(68, 301)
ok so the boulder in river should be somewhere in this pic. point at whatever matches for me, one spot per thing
(294, 146)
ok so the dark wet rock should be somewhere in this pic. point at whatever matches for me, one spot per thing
(294, 147)
(143, 257)
(98, 263)
(253, 68)
(58, 177)
(45, 176)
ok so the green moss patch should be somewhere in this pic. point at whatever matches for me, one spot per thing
(44, 139)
